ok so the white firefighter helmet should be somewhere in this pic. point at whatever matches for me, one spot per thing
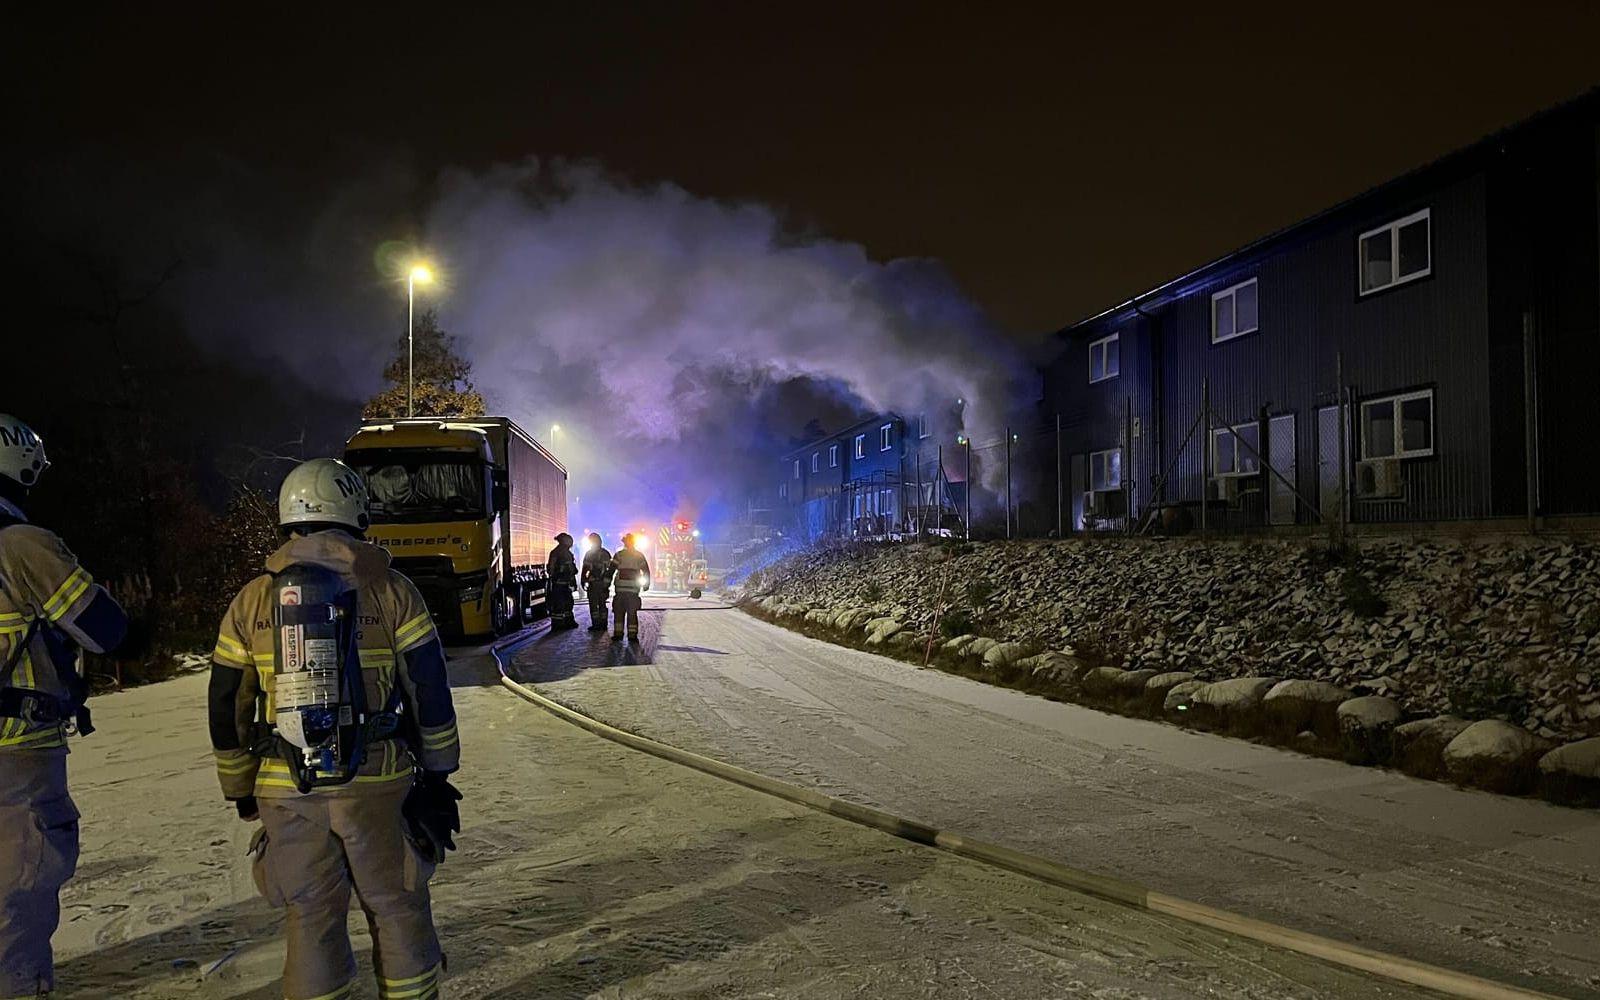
(21, 451)
(323, 491)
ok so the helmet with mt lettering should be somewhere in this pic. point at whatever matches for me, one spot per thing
(21, 452)
(323, 492)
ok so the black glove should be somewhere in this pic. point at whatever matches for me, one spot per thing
(248, 811)
(432, 814)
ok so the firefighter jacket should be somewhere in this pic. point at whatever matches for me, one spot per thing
(597, 569)
(401, 659)
(43, 591)
(633, 571)
(561, 566)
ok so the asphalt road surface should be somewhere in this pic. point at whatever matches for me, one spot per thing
(1504, 888)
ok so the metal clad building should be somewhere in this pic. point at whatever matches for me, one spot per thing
(1434, 302)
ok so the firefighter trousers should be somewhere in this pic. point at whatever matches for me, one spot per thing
(597, 607)
(38, 853)
(315, 851)
(561, 603)
(626, 605)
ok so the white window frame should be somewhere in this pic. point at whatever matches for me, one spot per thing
(783, 491)
(1232, 291)
(861, 446)
(886, 437)
(833, 456)
(922, 426)
(1395, 402)
(1227, 434)
(1101, 346)
(816, 462)
(1106, 454)
(1393, 229)
(797, 468)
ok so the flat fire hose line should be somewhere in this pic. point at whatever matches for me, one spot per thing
(1405, 970)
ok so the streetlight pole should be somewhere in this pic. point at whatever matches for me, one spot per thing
(416, 274)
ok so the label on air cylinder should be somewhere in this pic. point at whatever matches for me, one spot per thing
(293, 641)
(322, 654)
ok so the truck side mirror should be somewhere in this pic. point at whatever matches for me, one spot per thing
(502, 490)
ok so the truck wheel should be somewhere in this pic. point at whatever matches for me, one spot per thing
(500, 617)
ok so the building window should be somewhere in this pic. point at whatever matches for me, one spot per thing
(1105, 358)
(1236, 451)
(783, 491)
(1105, 469)
(922, 425)
(833, 456)
(1395, 253)
(1233, 312)
(884, 437)
(816, 462)
(797, 468)
(1398, 426)
(861, 446)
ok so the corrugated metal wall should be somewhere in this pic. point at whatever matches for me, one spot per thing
(1431, 333)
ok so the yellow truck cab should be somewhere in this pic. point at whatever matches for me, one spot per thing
(468, 508)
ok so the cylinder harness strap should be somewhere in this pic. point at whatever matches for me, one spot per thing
(358, 728)
(40, 708)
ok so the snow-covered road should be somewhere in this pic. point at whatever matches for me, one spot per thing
(1504, 888)
(588, 870)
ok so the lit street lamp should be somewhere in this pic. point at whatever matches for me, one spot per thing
(419, 273)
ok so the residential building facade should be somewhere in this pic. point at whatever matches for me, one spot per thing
(865, 480)
(1429, 350)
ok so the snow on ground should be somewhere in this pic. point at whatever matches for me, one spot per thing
(587, 870)
(1504, 888)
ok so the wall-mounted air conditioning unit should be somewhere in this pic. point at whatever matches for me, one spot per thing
(1379, 478)
(1104, 503)
(1225, 489)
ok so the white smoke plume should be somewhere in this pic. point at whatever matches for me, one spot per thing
(655, 327)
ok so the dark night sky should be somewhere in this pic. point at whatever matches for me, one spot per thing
(1053, 164)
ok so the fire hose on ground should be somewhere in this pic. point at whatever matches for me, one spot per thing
(1447, 981)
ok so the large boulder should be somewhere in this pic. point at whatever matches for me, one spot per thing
(1494, 755)
(1101, 682)
(1155, 691)
(872, 625)
(1292, 707)
(881, 630)
(959, 644)
(1230, 705)
(1057, 670)
(1003, 657)
(820, 616)
(979, 646)
(1366, 729)
(1571, 774)
(853, 619)
(1418, 747)
(1180, 700)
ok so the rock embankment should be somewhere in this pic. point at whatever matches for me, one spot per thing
(1328, 650)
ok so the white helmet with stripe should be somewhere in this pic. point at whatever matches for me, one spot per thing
(323, 491)
(21, 452)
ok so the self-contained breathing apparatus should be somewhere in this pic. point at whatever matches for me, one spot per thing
(322, 724)
(36, 707)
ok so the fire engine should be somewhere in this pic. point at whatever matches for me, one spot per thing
(675, 554)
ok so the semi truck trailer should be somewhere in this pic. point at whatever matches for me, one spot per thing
(468, 508)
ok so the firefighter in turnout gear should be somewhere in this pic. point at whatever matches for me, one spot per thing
(562, 570)
(50, 608)
(597, 581)
(332, 722)
(632, 580)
